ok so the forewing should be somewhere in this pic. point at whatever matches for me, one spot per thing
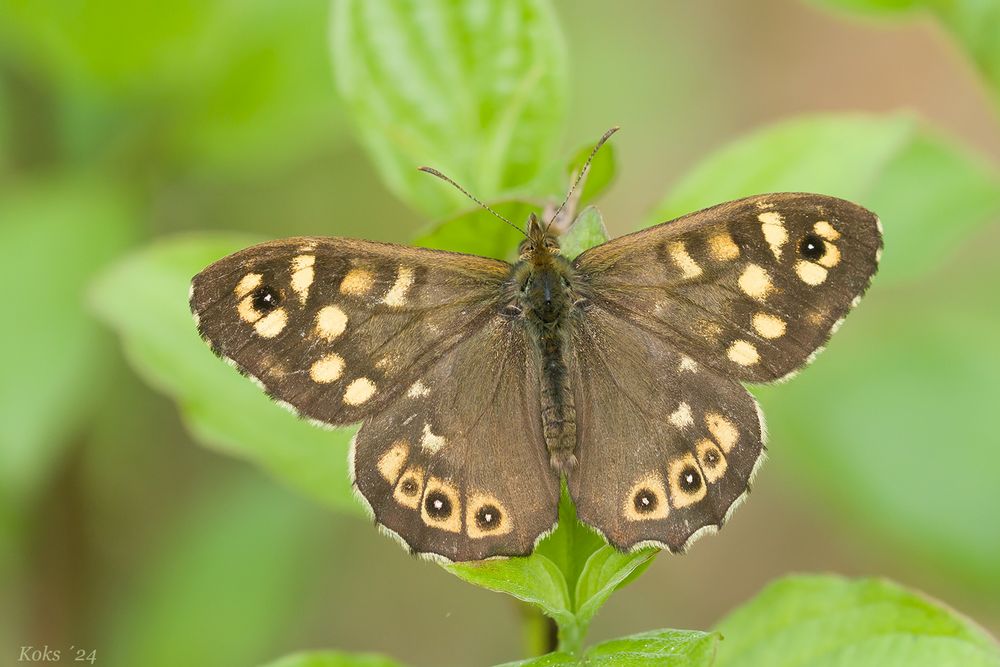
(338, 328)
(457, 466)
(751, 288)
(666, 448)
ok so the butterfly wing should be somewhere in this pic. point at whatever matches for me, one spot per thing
(458, 467)
(450, 458)
(675, 317)
(750, 288)
(666, 448)
(337, 328)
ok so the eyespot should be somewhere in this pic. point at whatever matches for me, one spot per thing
(689, 479)
(488, 517)
(711, 458)
(265, 299)
(409, 487)
(811, 247)
(437, 505)
(645, 501)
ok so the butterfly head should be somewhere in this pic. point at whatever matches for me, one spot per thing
(538, 246)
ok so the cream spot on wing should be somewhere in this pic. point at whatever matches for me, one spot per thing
(878, 255)
(410, 487)
(302, 275)
(246, 311)
(441, 507)
(327, 369)
(723, 430)
(768, 326)
(486, 516)
(712, 460)
(417, 390)
(878, 224)
(687, 486)
(688, 364)
(722, 247)
(826, 230)
(331, 321)
(831, 255)
(810, 273)
(397, 293)
(707, 329)
(272, 324)
(646, 500)
(773, 226)
(681, 417)
(429, 441)
(359, 391)
(689, 268)
(743, 353)
(764, 204)
(755, 282)
(357, 282)
(247, 284)
(391, 463)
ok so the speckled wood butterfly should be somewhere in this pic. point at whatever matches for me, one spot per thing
(481, 384)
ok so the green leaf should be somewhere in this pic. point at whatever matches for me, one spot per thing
(659, 648)
(334, 659)
(144, 298)
(54, 237)
(873, 426)
(606, 571)
(825, 621)
(974, 23)
(226, 582)
(912, 178)
(570, 544)
(534, 579)
(479, 232)
(219, 85)
(476, 89)
(586, 231)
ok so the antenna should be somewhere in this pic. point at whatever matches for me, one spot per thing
(435, 172)
(583, 173)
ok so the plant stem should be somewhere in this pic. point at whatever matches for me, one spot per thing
(571, 639)
(540, 633)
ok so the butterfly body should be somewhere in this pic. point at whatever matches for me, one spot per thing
(482, 385)
(547, 294)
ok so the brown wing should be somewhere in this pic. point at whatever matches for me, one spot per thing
(666, 447)
(339, 328)
(457, 466)
(450, 458)
(750, 288)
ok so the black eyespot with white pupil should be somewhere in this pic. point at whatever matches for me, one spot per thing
(488, 517)
(645, 501)
(265, 299)
(711, 458)
(409, 487)
(689, 479)
(811, 247)
(438, 505)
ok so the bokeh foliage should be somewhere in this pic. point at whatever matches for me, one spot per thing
(103, 122)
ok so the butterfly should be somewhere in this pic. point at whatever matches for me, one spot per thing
(481, 385)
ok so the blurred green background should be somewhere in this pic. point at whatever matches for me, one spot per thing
(140, 141)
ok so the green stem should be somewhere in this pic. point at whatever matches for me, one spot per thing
(571, 638)
(539, 632)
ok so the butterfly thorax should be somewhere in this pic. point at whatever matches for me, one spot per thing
(544, 300)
